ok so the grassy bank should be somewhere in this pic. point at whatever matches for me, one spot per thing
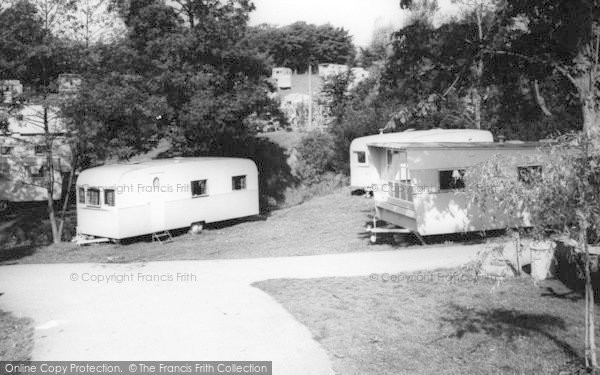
(432, 326)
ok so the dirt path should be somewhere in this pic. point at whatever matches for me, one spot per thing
(211, 313)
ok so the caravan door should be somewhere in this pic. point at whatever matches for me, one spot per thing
(157, 207)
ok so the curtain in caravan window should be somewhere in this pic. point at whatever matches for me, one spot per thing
(198, 188)
(238, 182)
(109, 197)
(81, 195)
(93, 197)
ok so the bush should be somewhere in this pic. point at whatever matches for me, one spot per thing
(314, 157)
(329, 183)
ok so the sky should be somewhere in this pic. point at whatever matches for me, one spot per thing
(359, 17)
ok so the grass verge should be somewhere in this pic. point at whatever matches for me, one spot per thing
(16, 337)
(436, 326)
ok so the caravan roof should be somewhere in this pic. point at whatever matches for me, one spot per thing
(113, 173)
(432, 135)
(438, 145)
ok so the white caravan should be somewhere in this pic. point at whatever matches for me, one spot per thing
(419, 185)
(360, 175)
(127, 200)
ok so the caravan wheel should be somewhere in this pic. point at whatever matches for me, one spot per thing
(197, 228)
(373, 239)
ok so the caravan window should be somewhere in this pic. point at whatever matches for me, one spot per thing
(361, 157)
(81, 195)
(530, 173)
(109, 197)
(452, 179)
(238, 182)
(401, 190)
(93, 197)
(198, 188)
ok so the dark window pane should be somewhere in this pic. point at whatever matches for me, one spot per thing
(453, 179)
(93, 197)
(198, 188)
(238, 182)
(109, 197)
(361, 157)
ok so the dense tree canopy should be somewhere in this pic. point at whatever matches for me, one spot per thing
(299, 45)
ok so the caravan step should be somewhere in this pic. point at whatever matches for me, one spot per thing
(162, 237)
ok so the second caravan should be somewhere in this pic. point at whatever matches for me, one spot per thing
(360, 155)
(419, 185)
(127, 200)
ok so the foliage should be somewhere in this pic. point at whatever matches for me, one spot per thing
(21, 33)
(299, 45)
(315, 157)
(559, 199)
(552, 36)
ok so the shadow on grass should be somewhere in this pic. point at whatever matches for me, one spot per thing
(508, 325)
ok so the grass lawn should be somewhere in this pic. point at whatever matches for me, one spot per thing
(284, 138)
(324, 225)
(433, 326)
(16, 338)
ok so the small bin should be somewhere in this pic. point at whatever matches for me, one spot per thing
(542, 253)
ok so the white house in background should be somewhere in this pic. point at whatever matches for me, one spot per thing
(282, 77)
(419, 184)
(329, 70)
(361, 175)
(358, 75)
(9, 89)
(127, 200)
(69, 83)
(23, 155)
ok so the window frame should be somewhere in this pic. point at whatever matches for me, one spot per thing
(243, 179)
(81, 194)
(88, 200)
(105, 201)
(358, 157)
(202, 183)
(462, 171)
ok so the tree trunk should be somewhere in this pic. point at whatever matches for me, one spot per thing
(65, 205)
(517, 250)
(476, 98)
(50, 180)
(590, 332)
(591, 119)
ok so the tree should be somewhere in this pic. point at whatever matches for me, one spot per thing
(378, 48)
(22, 32)
(559, 199)
(564, 37)
(299, 45)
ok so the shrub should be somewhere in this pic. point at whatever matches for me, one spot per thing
(315, 157)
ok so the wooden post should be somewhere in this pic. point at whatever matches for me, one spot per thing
(309, 96)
